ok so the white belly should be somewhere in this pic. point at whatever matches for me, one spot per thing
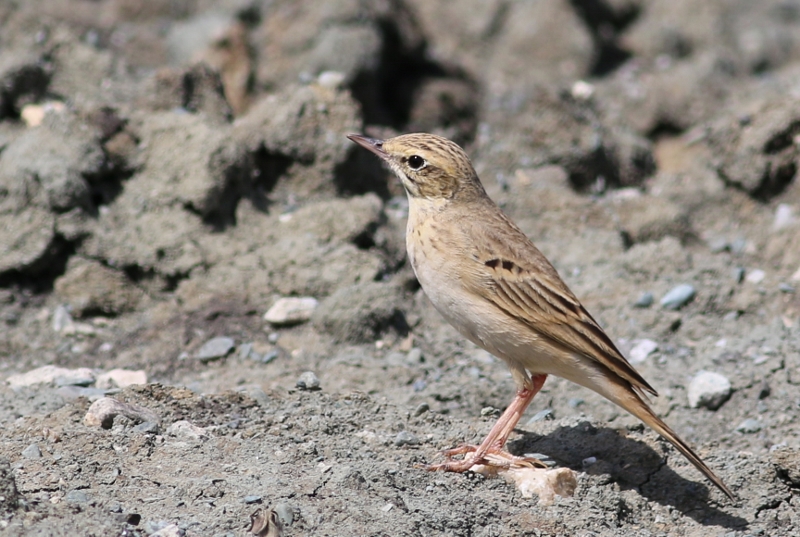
(471, 315)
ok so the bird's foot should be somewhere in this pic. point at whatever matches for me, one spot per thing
(494, 457)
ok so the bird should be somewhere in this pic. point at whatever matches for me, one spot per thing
(490, 282)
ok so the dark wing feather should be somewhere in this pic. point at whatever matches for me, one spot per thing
(526, 286)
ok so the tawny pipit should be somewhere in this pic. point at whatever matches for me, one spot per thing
(493, 285)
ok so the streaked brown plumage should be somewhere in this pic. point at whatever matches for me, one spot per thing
(493, 285)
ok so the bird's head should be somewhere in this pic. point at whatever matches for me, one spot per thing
(429, 166)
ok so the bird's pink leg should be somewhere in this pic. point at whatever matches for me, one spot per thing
(491, 451)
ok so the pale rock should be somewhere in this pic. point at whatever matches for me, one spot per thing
(103, 411)
(708, 389)
(48, 374)
(120, 378)
(784, 217)
(187, 430)
(755, 276)
(641, 350)
(169, 531)
(291, 310)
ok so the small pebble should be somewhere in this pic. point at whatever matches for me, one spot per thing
(784, 217)
(147, 427)
(709, 390)
(582, 90)
(421, 409)
(215, 348)
(542, 415)
(575, 402)
(645, 300)
(678, 297)
(32, 452)
(285, 513)
(252, 499)
(641, 350)
(718, 245)
(731, 316)
(244, 350)
(169, 530)
(414, 356)
(419, 385)
(233, 424)
(331, 79)
(755, 276)
(308, 381)
(785, 288)
(588, 461)
(258, 394)
(489, 411)
(291, 310)
(749, 426)
(738, 245)
(61, 318)
(266, 358)
(187, 430)
(404, 438)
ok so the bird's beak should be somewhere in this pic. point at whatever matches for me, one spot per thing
(372, 144)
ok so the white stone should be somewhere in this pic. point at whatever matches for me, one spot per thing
(784, 217)
(120, 378)
(641, 350)
(755, 276)
(708, 389)
(33, 114)
(61, 319)
(291, 310)
(187, 430)
(48, 374)
(582, 90)
(173, 530)
(331, 79)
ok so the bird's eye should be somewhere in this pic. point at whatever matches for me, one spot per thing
(416, 162)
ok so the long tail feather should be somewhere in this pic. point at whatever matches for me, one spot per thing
(636, 406)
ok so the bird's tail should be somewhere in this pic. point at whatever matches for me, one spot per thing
(633, 403)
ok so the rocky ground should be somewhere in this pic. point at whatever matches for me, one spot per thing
(170, 171)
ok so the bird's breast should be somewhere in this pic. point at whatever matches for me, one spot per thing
(441, 261)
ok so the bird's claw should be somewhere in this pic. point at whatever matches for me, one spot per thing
(494, 457)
